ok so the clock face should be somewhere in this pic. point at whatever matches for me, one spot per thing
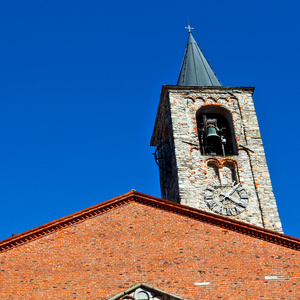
(226, 200)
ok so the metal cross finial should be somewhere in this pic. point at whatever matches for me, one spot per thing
(189, 28)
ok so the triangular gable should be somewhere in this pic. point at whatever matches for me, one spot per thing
(144, 291)
(91, 212)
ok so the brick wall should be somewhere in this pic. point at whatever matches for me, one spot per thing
(136, 243)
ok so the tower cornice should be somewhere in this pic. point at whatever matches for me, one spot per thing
(197, 88)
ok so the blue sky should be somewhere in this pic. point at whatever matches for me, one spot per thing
(80, 83)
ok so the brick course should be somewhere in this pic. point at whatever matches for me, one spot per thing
(148, 242)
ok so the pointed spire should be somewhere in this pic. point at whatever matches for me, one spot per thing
(195, 69)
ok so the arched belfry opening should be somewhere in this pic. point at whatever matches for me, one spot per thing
(216, 131)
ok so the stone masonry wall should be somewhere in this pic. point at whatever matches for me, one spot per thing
(168, 179)
(194, 171)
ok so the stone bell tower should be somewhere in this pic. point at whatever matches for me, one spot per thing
(209, 149)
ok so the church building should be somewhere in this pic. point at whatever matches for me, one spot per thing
(215, 234)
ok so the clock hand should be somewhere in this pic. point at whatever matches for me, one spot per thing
(238, 202)
(233, 189)
(224, 196)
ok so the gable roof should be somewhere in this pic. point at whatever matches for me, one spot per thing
(134, 196)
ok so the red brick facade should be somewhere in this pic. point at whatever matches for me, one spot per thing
(105, 249)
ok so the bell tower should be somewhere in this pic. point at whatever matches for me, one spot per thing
(208, 146)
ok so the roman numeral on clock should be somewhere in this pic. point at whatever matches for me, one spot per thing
(208, 197)
(210, 188)
(218, 209)
(211, 204)
(239, 189)
(229, 211)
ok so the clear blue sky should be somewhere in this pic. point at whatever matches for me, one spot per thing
(80, 84)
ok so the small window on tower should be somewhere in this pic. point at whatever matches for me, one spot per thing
(216, 132)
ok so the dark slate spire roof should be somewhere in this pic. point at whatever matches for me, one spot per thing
(195, 69)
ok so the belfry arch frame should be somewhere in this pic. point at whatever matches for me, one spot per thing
(216, 131)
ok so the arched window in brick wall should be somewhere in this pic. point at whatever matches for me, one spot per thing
(216, 131)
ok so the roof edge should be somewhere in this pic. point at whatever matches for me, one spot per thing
(207, 217)
(61, 223)
(183, 87)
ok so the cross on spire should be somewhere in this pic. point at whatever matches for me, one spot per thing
(189, 28)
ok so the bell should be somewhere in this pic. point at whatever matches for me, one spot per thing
(212, 132)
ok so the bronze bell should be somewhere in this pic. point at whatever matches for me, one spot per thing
(212, 132)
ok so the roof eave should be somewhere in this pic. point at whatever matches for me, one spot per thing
(134, 196)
